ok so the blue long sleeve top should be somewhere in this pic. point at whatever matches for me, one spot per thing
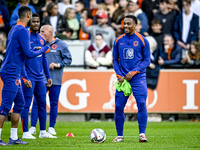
(131, 53)
(36, 68)
(18, 47)
(59, 54)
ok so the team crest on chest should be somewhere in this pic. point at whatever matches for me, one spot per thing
(54, 46)
(135, 43)
(17, 81)
(41, 41)
(128, 53)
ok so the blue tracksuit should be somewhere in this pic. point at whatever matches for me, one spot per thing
(18, 48)
(59, 54)
(35, 69)
(131, 53)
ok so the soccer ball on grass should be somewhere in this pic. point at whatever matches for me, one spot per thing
(97, 136)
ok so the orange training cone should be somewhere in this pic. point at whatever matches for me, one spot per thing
(70, 135)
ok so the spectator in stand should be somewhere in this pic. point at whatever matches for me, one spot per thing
(193, 56)
(86, 15)
(133, 7)
(4, 19)
(87, 3)
(138, 27)
(14, 17)
(37, 4)
(57, 21)
(156, 27)
(65, 35)
(112, 5)
(79, 6)
(3, 39)
(150, 7)
(175, 5)
(166, 16)
(43, 11)
(102, 8)
(186, 27)
(153, 70)
(72, 21)
(195, 5)
(98, 54)
(118, 16)
(169, 53)
(62, 6)
(102, 27)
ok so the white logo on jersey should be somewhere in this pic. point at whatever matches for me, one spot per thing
(128, 53)
(39, 55)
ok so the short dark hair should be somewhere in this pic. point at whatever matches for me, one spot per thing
(89, 13)
(80, 1)
(170, 35)
(133, 17)
(156, 21)
(100, 34)
(69, 30)
(187, 1)
(35, 15)
(23, 10)
(164, 1)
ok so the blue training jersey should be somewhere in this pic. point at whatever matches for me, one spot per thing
(36, 68)
(18, 47)
(131, 53)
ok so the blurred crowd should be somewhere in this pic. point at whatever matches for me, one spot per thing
(171, 26)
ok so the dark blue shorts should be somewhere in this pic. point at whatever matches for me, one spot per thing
(11, 92)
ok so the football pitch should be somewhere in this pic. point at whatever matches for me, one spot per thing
(162, 135)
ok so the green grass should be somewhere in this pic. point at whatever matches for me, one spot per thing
(163, 135)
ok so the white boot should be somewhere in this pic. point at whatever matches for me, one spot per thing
(27, 135)
(52, 131)
(32, 130)
(44, 134)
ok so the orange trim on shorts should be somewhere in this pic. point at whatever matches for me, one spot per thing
(140, 37)
(20, 23)
(119, 38)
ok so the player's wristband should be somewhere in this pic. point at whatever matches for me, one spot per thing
(58, 65)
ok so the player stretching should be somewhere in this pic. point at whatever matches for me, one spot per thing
(58, 58)
(35, 69)
(131, 56)
(18, 47)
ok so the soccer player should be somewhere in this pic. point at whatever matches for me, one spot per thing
(131, 56)
(58, 58)
(35, 69)
(18, 48)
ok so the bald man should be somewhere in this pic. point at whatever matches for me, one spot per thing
(58, 58)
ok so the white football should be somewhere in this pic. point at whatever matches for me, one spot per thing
(97, 136)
